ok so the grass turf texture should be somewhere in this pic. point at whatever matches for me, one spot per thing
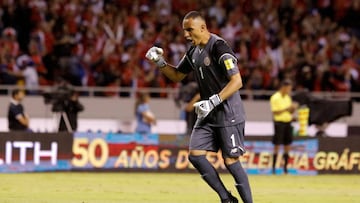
(79, 187)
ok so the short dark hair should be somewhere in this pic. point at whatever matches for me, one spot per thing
(286, 82)
(15, 92)
(193, 15)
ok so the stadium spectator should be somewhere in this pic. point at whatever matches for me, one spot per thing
(26, 73)
(74, 39)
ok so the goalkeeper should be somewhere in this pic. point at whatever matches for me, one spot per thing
(220, 113)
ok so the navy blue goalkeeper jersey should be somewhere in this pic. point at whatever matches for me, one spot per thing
(213, 66)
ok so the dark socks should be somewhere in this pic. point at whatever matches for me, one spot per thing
(209, 174)
(274, 163)
(241, 180)
(286, 160)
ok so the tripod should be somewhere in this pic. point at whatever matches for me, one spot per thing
(57, 117)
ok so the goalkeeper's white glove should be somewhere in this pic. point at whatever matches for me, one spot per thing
(155, 54)
(204, 107)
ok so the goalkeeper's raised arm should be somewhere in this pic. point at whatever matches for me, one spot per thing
(155, 54)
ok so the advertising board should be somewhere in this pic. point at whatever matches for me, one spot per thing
(92, 151)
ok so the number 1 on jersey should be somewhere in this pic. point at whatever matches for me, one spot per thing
(233, 140)
(201, 73)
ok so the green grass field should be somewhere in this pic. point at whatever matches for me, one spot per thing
(123, 187)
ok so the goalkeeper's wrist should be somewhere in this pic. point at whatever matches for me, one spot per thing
(161, 63)
(215, 100)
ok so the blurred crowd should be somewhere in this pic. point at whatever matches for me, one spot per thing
(103, 42)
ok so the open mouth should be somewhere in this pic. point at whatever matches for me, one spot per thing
(190, 40)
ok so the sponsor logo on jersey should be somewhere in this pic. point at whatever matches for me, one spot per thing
(237, 150)
(234, 150)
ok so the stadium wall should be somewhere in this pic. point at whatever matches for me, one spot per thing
(123, 108)
(116, 115)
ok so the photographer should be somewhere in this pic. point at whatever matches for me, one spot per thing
(65, 104)
(71, 107)
(188, 95)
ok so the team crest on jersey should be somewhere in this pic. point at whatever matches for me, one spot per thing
(207, 61)
(229, 64)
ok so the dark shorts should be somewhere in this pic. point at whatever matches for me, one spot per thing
(282, 133)
(229, 139)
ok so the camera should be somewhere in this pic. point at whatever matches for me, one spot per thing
(58, 98)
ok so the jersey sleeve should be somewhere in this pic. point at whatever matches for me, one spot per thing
(142, 108)
(225, 57)
(17, 112)
(274, 104)
(184, 65)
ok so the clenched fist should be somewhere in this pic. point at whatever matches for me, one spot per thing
(155, 54)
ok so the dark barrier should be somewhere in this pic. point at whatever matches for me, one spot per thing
(353, 131)
(338, 155)
(166, 153)
(332, 108)
(27, 152)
